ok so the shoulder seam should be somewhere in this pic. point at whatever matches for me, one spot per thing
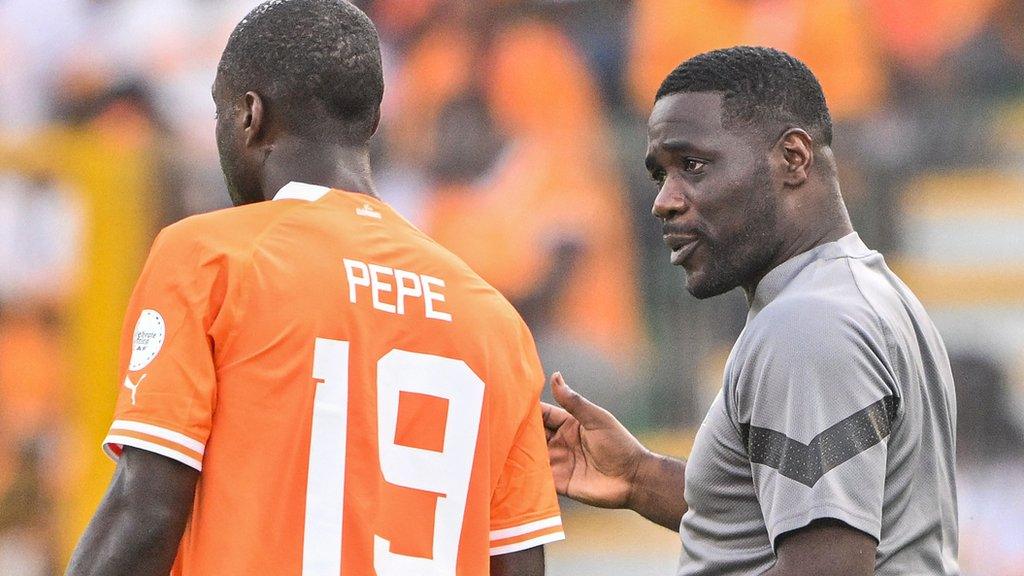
(890, 346)
(270, 225)
(247, 264)
(871, 305)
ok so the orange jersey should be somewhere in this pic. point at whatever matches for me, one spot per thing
(357, 399)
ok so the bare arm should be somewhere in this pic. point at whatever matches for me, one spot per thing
(826, 547)
(657, 492)
(595, 460)
(138, 526)
(529, 562)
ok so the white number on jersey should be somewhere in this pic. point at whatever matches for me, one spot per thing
(446, 472)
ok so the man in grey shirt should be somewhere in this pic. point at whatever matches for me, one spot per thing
(830, 448)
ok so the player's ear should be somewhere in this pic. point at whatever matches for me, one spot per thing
(254, 120)
(796, 153)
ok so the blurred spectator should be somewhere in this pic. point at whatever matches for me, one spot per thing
(918, 34)
(40, 236)
(525, 195)
(991, 64)
(92, 227)
(830, 36)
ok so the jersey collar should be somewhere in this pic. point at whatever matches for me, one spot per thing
(779, 277)
(301, 191)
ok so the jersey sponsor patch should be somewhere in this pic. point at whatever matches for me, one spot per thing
(147, 340)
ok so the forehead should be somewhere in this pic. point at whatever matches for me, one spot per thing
(216, 87)
(219, 89)
(691, 116)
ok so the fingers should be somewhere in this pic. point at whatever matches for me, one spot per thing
(553, 416)
(590, 415)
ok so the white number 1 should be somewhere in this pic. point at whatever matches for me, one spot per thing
(446, 472)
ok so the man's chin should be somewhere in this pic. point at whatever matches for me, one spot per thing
(701, 287)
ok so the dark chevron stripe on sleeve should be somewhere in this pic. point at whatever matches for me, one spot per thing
(807, 463)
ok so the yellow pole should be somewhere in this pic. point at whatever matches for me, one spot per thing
(109, 164)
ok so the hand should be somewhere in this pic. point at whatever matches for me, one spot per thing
(594, 458)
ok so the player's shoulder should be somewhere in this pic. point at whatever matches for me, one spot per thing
(488, 308)
(226, 231)
(437, 258)
(824, 303)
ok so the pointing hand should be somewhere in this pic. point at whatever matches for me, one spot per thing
(593, 457)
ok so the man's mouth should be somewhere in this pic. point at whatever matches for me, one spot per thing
(681, 245)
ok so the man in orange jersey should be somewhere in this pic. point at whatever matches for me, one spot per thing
(311, 385)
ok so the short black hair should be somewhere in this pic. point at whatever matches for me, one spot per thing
(314, 60)
(761, 87)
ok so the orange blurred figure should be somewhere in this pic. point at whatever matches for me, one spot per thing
(827, 35)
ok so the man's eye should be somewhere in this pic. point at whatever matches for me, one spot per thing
(694, 165)
(659, 177)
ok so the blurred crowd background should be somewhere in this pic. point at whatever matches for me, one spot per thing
(513, 132)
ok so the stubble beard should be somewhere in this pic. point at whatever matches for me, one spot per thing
(733, 264)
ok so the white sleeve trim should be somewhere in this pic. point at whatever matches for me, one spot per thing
(525, 528)
(525, 544)
(121, 441)
(159, 432)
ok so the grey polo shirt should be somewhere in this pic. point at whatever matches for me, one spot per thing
(837, 403)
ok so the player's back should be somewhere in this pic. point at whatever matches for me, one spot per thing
(367, 402)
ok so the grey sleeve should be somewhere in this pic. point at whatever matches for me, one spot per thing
(815, 402)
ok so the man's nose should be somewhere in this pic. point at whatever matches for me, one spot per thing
(669, 203)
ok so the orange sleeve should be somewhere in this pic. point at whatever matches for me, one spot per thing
(167, 379)
(524, 506)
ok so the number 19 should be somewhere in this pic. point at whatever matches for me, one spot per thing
(446, 472)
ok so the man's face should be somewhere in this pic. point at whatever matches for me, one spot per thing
(716, 197)
(241, 171)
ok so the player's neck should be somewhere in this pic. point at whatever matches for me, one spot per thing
(825, 222)
(335, 166)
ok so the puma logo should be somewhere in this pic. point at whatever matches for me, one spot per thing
(133, 387)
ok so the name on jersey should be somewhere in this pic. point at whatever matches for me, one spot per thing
(390, 289)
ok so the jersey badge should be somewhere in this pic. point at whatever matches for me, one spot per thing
(148, 339)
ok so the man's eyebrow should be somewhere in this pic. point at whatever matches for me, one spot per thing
(677, 145)
(672, 147)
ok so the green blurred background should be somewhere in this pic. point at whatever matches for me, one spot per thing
(513, 132)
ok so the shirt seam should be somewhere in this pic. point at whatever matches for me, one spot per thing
(851, 256)
(244, 290)
(890, 347)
